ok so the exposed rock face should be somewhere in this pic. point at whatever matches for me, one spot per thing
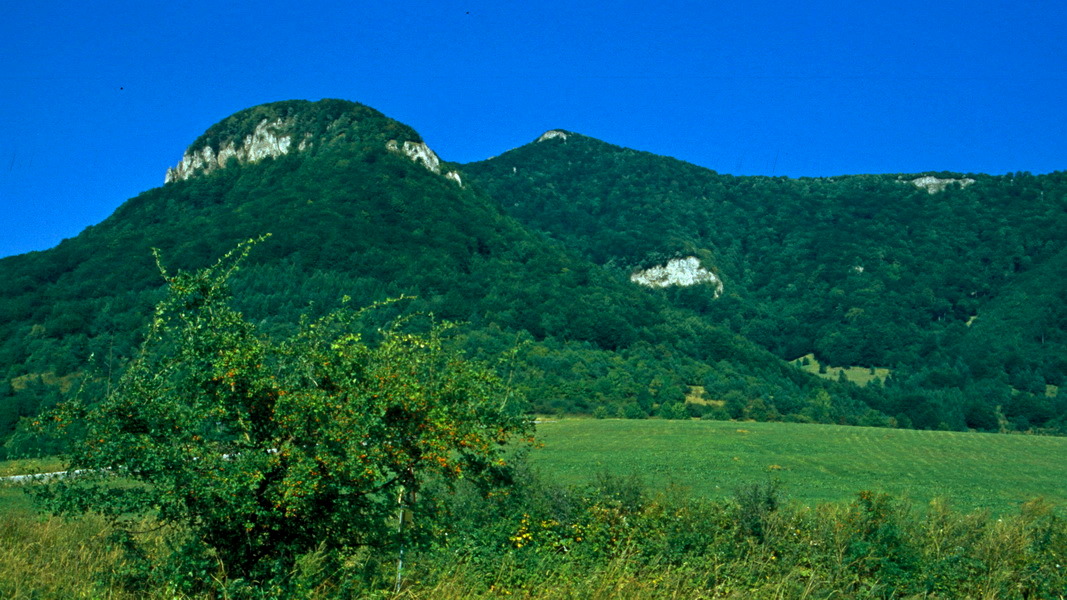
(678, 271)
(270, 138)
(555, 133)
(934, 185)
(276, 135)
(421, 153)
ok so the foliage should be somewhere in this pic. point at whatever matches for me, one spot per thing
(253, 453)
(569, 542)
(303, 120)
(862, 271)
(547, 541)
(756, 504)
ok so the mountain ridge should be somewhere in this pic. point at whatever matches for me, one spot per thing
(538, 246)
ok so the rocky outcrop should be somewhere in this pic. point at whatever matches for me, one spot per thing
(934, 185)
(275, 136)
(555, 133)
(678, 271)
(420, 153)
(270, 138)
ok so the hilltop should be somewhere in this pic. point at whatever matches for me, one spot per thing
(632, 284)
(358, 206)
(908, 272)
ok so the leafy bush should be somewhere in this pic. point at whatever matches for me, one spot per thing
(756, 502)
(258, 456)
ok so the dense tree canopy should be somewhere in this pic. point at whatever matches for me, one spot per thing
(868, 270)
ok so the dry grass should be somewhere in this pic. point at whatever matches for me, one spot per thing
(48, 378)
(44, 558)
(696, 396)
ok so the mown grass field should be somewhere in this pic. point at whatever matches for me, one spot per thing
(815, 463)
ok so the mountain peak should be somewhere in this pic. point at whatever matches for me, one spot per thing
(553, 134)
(269, 138)
(277, 128)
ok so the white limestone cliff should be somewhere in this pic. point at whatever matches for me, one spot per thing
(933, 185)
(273, 138)
(678, 271)
(270, 138)
(420, 153)
(555, 133)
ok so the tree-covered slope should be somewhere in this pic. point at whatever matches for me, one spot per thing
(358, 207)
(959, 292)
(859, 270)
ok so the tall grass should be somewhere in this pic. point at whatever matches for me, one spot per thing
(615, 539)
(53, 558)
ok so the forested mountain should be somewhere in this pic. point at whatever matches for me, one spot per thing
(357, 206)
(960, 292)
(956, 282)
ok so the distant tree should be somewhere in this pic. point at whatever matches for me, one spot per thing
(676, 411)
(634, 411)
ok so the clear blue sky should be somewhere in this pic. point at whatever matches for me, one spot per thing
(98, 98)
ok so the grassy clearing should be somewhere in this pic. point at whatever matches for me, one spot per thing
(815, 463)
(858, 375)
(49, 379)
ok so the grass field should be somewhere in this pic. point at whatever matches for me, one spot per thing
(815, 463)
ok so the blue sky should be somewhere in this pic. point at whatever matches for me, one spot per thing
(98, 98)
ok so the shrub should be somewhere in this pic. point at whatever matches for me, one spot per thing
(756, 502)
(258, 456)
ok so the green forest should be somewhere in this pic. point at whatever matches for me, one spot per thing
(957, 290)
(957, 296)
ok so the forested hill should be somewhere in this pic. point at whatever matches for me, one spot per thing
(535, 250)
(358, 206)
(954, 281)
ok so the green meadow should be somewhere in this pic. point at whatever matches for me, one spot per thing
(814, 463)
